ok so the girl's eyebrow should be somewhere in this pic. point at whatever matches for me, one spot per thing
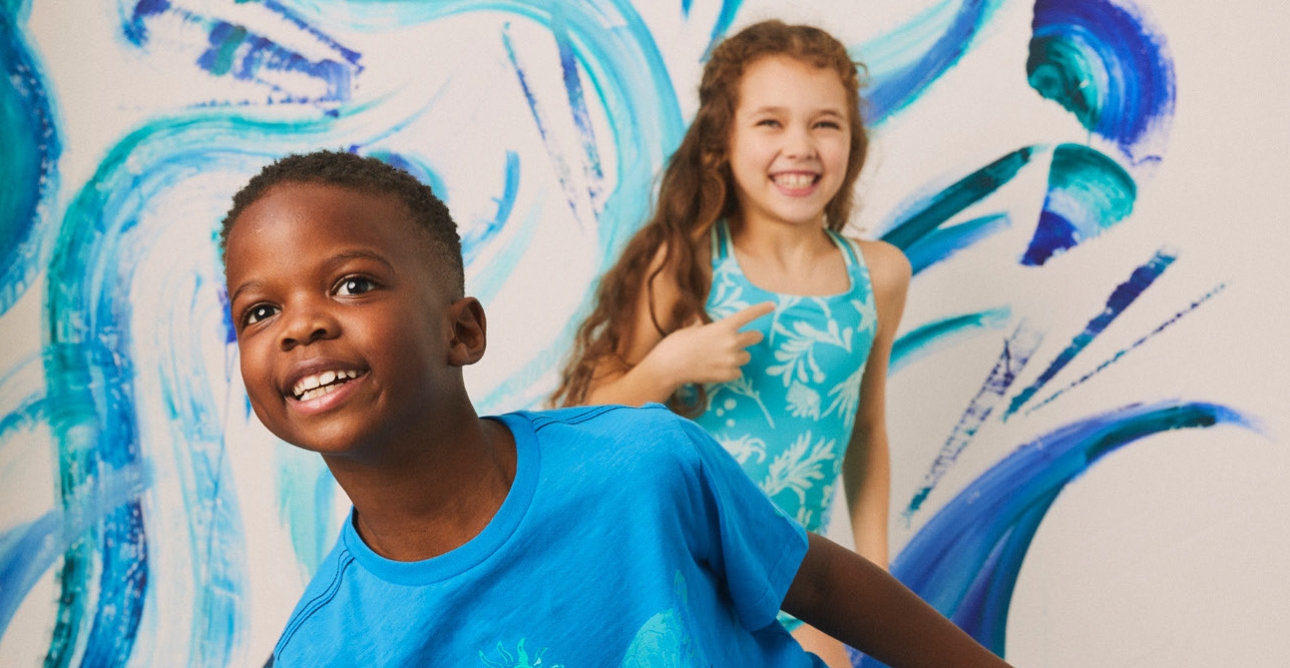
(770, 108)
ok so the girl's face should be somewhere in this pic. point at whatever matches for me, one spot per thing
(789, 141)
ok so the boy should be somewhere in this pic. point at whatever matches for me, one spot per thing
(601, 536)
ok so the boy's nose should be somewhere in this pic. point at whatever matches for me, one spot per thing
(307, 326)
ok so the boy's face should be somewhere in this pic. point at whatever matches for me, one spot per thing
(345, 332)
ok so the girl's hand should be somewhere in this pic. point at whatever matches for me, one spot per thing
(711, 353)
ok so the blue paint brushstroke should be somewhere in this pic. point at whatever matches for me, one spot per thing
(926, 339)
(903, 63)
(1103, 62)
(558, 163)
(719, 27)
(29, 161)
(1017, 350)
(29, 550)
(941, 244)
(236, 51)
(966, 559)
(591, 168)
(1124, 351)
(1121, 298)
(623, 63)
(90, 371)
(924, 215)
(481, 234)
(1088, 193)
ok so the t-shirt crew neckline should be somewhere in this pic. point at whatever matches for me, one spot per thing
(477, 549)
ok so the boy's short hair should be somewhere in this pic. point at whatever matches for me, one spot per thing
(367, 175)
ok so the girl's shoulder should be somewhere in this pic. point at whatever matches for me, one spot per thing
(888, 266)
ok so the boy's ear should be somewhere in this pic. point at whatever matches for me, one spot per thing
(469, 331)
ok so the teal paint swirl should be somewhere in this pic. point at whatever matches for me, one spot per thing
(28, 163)
(1088, 193)
(1104, 62)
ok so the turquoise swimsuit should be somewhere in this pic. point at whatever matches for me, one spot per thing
(788, 418)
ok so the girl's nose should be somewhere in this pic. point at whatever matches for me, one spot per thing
(799, 144)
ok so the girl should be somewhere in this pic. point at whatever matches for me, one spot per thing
(739, 304)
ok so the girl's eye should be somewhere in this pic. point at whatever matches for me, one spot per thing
(832, 125)
(768, 122)
(354, 285)
(257, 313)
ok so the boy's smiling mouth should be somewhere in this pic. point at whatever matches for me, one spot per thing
(321, 383)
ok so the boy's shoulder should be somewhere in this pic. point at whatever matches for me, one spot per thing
(608, 417)
(650, 430)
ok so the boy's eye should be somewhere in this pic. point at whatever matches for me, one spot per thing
(354, 285)
(257, 313)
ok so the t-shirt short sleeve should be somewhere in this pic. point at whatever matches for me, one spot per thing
(760, 548)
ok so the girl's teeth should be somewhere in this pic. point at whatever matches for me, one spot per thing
(795, 180)
(326, 377)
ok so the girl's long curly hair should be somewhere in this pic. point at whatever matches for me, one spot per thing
(697, 190)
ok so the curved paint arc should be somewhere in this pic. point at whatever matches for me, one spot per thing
(1104, 62)
(966, 559)
(903, 63)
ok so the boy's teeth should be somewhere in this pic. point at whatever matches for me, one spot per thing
(319, 384)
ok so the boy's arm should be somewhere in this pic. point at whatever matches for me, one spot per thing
(855, 601)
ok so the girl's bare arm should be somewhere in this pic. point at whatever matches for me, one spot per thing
(866, 470)
(653, 365)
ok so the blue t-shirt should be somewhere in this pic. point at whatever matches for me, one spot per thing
(628, 538)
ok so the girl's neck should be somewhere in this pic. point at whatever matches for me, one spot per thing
(790, 259)
(781, 243)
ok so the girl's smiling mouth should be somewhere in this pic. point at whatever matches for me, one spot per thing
(795, 180)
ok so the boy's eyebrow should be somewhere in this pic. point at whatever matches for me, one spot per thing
(339, 258)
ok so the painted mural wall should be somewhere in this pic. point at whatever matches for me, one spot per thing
(1088, 395)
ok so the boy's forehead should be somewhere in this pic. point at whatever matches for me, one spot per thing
(318, 202)
(335, 214)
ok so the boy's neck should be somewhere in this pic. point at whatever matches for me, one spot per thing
(438, 496)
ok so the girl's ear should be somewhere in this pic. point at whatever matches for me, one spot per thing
(469, 332)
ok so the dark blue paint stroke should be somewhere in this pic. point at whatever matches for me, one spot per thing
(922, 341)
(941, 244)
(478, 237)
(592, 170)
(966, 559)
(1126, 350)
(1102, 61)
(29, 159)
(1088, 193)
(1017, 350)
(234, 51)
(901, 68)
(1121, 298)
(926, 215)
